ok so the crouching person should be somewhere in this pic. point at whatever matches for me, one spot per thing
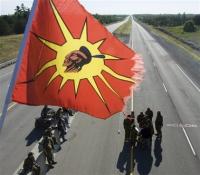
(30, 165)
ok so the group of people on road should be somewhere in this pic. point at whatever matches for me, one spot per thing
(144, 132)
(50, 141)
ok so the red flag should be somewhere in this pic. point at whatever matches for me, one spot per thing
(71, 60)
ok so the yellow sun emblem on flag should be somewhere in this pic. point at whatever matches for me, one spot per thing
(78, 59)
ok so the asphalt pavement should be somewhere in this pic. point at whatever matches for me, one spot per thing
(163, 89)
(96, 147)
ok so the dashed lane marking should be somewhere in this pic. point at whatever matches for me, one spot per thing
(188, 139)
(10, 107)
(188, 77)
(165, 87)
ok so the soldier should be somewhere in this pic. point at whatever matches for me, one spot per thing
(149, 113)
(66, 114)
(31, 165)
(48, 132)
(127, 127)
(44, 111)
(58, 114)
(62, 129)
(159, 124)
(48, 150)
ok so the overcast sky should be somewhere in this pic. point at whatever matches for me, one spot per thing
(121, 6)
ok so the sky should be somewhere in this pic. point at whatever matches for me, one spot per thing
(121, 6)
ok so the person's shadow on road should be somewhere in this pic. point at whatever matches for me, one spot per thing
(157, 152)
(33, 136)
(41, 160)
(124, 159)
(144, 160)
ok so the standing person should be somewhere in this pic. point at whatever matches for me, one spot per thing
(140, 119)
(145, 134)
(159, 124)
(31, 165)
(150, 124)
(44, 111)
(66, 116)
(48, 132)
(133, 136)
(149, 113)
(132, 118)
(62, 129)
(58, 114)
(127, 127)
(48, 150)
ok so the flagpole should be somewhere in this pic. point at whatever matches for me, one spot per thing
(132, 148)
(17, 65)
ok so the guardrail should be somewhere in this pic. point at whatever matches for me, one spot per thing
(7, 63)
(189, 43)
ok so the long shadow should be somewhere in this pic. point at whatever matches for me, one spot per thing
(34, 135)
(41, 160)
(124, 159)
(144, 160)
(157, 152)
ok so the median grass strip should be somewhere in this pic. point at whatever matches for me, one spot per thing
(195, 54)
(189, 36)
(124, 29)
(9, 46)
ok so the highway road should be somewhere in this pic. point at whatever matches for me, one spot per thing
(166, 88)
(96, 147)
(18, 136)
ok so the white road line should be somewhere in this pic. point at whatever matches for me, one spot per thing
(35, 150)
(188, 78)
(154, 64)
(189, 141)
(10, 107)
(165, 87)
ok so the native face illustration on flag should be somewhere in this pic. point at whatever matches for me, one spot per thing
(71, 60)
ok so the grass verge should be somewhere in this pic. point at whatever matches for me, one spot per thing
(9, 46)
(124, 29)
(195, 54)
(189, 36)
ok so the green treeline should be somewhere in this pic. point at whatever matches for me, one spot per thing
(107, 19)
(168, 20)
(15, 24)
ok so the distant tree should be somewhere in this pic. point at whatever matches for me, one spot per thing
(10, 19)
(107, 19)
(165, 19)
(21, 17)
(189, 26)
(196, 19)
(183, 18)
(21, 11)
(4, 27)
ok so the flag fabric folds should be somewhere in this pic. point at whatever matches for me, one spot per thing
(71, 60)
